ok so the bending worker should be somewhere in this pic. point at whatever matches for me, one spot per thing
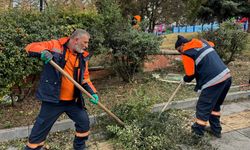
(57, 93)
(135, 22)
(213, 81)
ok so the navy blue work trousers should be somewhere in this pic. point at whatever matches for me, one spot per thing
(210, 100)
(50, 112)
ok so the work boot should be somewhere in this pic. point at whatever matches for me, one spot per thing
(197, 133)
(79, 143)
(210, 131)
(215, 126)
(198, 129)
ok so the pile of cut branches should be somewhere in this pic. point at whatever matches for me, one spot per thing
(145, 131)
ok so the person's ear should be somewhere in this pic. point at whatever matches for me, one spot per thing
(180, 48)
(75, 40)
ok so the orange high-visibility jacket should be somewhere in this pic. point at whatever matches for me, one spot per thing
(135, 22)
(202, 62)
(54, 87)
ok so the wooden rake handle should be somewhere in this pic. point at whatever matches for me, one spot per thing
(85, 92)
(171, 98)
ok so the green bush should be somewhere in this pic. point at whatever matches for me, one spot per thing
(229, 39)
(16, 31)
(107, 28)
(130, 50)
(145, 131)
(129, 47)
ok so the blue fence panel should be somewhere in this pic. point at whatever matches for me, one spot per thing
(195, 28)
(200, 28)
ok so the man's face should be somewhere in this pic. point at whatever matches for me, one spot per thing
(81, 43)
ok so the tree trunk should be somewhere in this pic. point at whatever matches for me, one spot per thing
(41, 5)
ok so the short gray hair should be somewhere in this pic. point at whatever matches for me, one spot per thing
(79, 33)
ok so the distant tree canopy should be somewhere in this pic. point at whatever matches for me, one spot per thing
(44, 4)
(216, 10)
(185, 11)
(221, 10)
(154, 12)
(161, 11)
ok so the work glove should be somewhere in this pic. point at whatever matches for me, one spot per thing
(94, 101)
(188, 78)
(46, 56)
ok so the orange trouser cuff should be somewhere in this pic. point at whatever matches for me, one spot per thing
(215, 113)
(201, 122)
(34, 145)
(83, 134)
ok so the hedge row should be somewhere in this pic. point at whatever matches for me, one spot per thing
(108, 29)
(20, 27)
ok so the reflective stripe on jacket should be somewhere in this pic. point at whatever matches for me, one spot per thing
(53, 87)
(201, 60)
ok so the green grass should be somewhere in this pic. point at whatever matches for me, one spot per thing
(170, 39)
(157, 91)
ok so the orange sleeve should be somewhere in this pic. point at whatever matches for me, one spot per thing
(37, 47)
(189, 65)
(87, 80)
(211, 43)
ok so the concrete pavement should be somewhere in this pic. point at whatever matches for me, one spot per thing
(234, 140)
(236, 127)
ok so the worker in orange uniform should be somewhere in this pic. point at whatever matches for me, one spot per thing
(213, 81)
(136, 21)
(57, 93)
